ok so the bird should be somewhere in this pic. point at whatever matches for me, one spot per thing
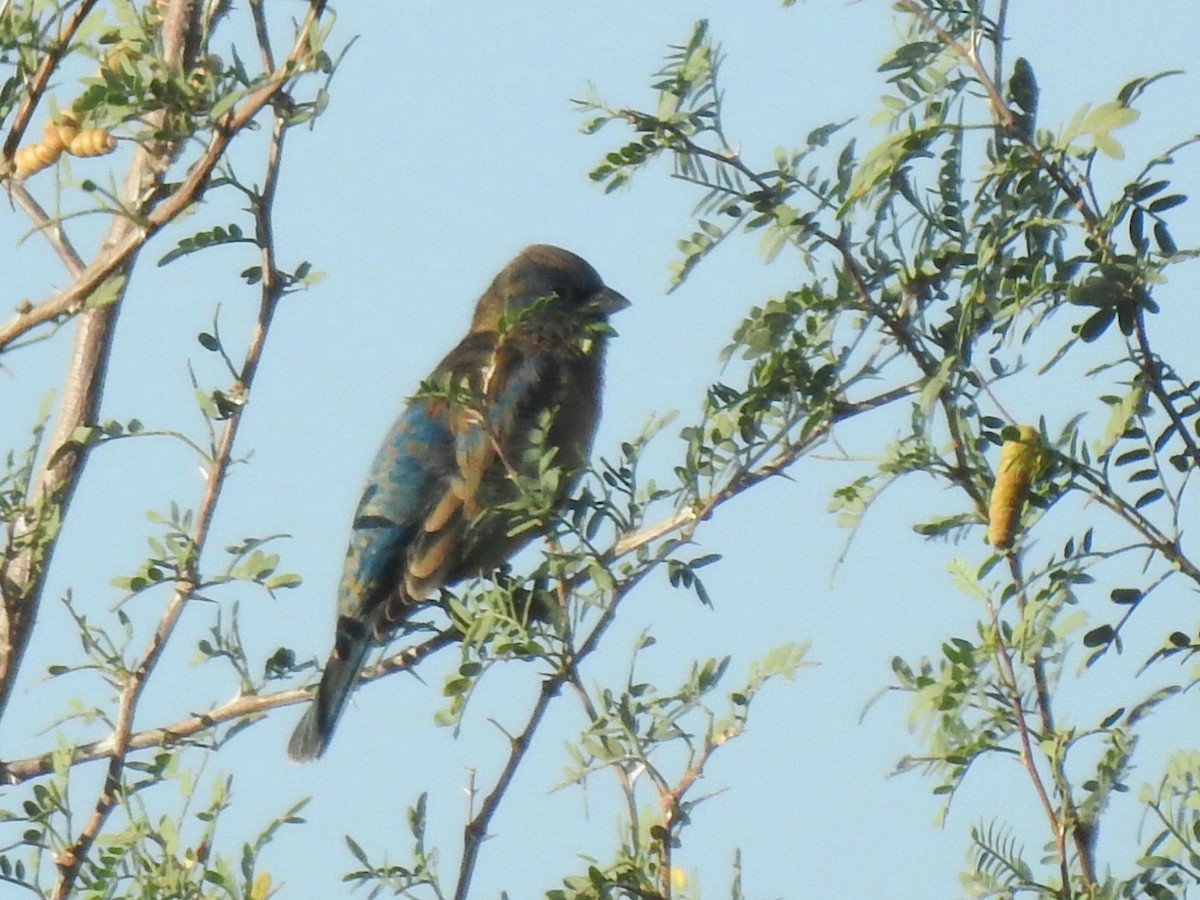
(525, 381)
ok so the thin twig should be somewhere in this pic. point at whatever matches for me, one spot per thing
(685, 520)
(1152, 377)
(1008, 678)
(51, 228)
(241, 707)
(670, 801)
(998, 42)
(1103, 493)
(1080, 835)
(476, 828)
(624, 782)
(262, 34)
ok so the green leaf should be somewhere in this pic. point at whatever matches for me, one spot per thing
(230, 234)
(1149, 497)
(1109, 117)
(357, 851)
(1134, 89)
(1125, 595)
(1097, 291)
(1162, 237)
(1096, 324)
(106, 293)
(1143, 191)
(1108, 146)
(1162, 204)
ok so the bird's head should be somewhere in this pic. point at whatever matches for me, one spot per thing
(546, 284)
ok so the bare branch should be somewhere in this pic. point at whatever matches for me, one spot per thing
(52, 230)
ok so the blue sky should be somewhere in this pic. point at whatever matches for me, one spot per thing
(450, 143)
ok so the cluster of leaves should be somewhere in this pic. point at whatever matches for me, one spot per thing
(931, 287)
(149, 852)
(400, 880)
(634, 732)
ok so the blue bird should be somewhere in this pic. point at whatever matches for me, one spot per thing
(431, 512)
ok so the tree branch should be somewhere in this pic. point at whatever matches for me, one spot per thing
(70, 860)
(1152, 376)
(475, 831)
(245, 706)
(50, 490)
(51, 229)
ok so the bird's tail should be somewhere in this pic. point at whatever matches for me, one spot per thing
(312, 735)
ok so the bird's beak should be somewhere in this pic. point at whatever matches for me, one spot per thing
(609, 301)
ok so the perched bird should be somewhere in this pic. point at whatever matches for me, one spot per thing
(529, 369)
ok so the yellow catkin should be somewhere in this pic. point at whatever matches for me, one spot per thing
(1018, 460)
(46, 153)
(92, 142)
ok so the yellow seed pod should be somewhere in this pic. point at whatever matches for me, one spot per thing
(52, 140)
(92, 142)
(67, 128)
(1018, 461)
(33, 158)
(47, 153)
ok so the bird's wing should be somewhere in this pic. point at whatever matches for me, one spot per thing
(488, 435)
(440, 468)
(414, 459)
(412, 464)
